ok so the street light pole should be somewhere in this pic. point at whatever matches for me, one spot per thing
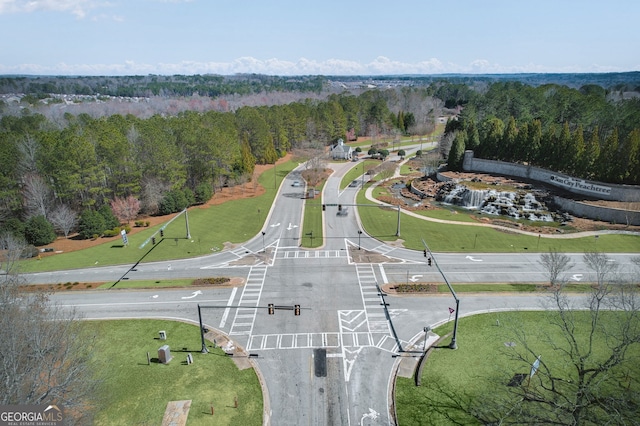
(359, 233)
(204, 346)
(453, 344)
(264, 248)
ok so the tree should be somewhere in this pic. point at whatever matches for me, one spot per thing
(91, 224)
(125, 209)
(45, 358)
(582, 370)
(39, 231)
(64, 219)
(456, 154)
(37, 196)
(110, 220)
(555, 264)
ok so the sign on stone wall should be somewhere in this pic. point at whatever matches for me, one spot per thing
(578, 184)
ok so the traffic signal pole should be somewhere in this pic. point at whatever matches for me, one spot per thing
(454, 343)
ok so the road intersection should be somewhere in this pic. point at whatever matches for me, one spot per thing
(335, 362)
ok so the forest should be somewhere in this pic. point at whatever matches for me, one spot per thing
(576, 131)
(92, 172)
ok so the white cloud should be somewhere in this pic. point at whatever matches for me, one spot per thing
(79, 8)
(303, 66)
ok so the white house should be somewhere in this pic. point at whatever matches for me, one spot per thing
(341, 151)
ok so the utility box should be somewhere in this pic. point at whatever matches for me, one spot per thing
(164, 354)
(163, 335)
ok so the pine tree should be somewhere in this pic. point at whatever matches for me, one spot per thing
(591, 155)
(456, 153)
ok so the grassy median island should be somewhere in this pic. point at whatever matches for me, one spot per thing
(134, 392)
(483, 365)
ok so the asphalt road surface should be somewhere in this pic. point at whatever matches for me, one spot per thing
(335, 362)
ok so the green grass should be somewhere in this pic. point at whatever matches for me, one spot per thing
(356, 172)
(382, 224)
(312, 222)
(481, 358)
(234, 221)
(136, 393)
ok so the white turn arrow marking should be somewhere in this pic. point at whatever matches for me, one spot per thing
(195, 293)
(277, 224)
(155, 296)
(414, 278)
(291, 227)
(471, 258)
(576, 277)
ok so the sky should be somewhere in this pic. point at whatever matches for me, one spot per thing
(323, 37)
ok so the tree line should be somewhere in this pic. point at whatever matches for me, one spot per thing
(65, 173)
(576, 131)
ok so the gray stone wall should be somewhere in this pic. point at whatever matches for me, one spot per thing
(599, 190)
(626, 217)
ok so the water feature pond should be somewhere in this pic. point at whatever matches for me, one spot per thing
(518, 204)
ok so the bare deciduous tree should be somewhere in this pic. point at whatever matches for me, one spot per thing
(153, 191)
(44, 355)
(387, 169)
(555, 264)
(37, 196)
(587, 365)
(64, 219)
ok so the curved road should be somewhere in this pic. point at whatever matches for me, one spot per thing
(334, 363)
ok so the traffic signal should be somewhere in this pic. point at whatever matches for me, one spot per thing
(153, 240)
(429, 261)
(424, 252)
(272, 308)
(162, 233)
(324, 207)
(339, 207)
(296, 309)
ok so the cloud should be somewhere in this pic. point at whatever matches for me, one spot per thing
(303, 66)
(79, 8)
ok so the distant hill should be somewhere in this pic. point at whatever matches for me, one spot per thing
(246, 84)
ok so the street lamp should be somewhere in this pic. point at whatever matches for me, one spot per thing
(359, 233)
(264, 248)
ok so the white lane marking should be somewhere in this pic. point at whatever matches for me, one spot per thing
(473, 259)
(195, 293)
(384, 276)
(226, 311)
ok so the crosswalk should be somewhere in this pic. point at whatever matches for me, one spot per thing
(248, 303)
(308, 254)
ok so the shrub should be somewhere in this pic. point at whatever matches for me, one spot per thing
(91, 224)
(204, 192)
(110, 220)
(39, 231)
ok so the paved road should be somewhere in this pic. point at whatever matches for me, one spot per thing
(334, 363)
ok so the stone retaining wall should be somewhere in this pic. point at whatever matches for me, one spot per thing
(599, 190)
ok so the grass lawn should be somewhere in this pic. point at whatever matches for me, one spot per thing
(356, 172)
(134, 393)
(312, 226)
(481, 359)
(381, 223)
